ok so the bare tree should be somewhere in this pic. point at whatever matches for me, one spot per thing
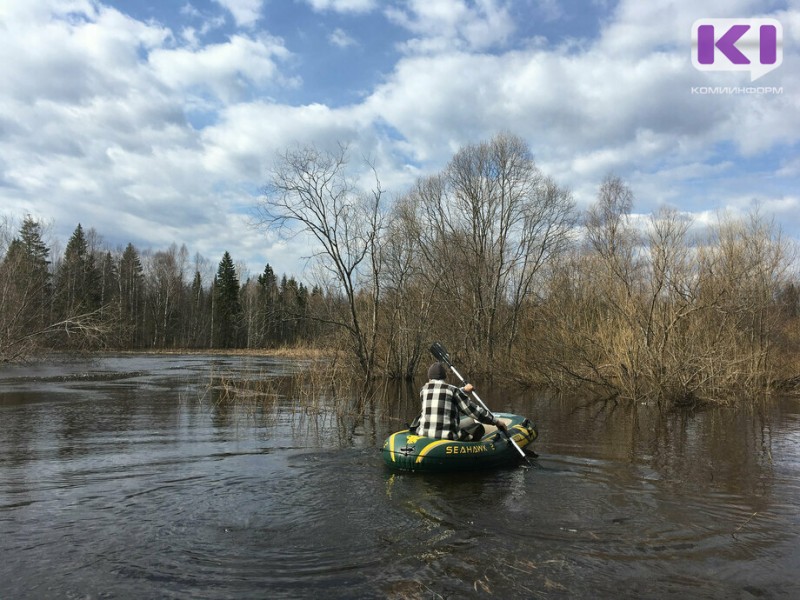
(164, 274)
(410, 293)
(312, 192)
(485, 227)
(610, 233)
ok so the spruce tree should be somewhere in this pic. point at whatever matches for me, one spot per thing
(131, 295)
(26, 297)
(268, 295)
(227, 306)
(109, 282)
(197, 313)
(78, 280)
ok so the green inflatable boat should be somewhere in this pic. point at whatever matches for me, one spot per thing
(408, 452)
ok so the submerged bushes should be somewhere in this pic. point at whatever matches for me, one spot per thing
(491, 257)
(666, 316)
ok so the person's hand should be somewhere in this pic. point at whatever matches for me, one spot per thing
(502, 426)
(468, 387)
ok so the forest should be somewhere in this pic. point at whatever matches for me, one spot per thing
(93, 298)
(489, 255)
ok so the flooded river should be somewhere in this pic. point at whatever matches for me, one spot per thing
(124, 477)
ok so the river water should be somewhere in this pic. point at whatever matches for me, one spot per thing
(125, 477)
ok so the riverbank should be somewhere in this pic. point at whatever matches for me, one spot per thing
(300, 353)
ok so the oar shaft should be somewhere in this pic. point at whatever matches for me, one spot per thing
(441, 354)
(486, 408)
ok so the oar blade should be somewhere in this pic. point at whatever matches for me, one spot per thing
(440, 352)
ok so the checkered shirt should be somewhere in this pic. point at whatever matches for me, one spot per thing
(442, 408)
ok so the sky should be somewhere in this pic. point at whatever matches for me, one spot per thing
(158, 121)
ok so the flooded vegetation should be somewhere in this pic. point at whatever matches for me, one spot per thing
(490, 255)
(191, 476)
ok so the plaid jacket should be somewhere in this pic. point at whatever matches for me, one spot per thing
(442, 408)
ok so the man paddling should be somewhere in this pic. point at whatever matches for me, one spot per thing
(447, 411)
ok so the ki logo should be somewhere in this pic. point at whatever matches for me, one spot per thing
(754, 45)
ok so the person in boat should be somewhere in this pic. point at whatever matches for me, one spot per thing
(448, 412)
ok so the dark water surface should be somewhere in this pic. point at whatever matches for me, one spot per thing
(123, 477)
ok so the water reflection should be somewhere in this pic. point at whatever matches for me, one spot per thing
(126, 477)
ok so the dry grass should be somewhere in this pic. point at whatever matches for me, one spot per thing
(322, 387)
(297, 353)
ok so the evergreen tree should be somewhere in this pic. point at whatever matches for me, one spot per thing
(197, 313)
(109, 283)
(268, 286)
(292, 310)
(36, 250)
(227, 307)
(130, 298)
(78, 280)
(267, 279)
(26, 284)
(302, 312)
(35, 269)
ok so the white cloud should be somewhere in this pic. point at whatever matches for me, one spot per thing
(193, 36)
(33, 11)
(246, 13)
(587, 111)
(247, 137)
(228, 70)
(68, 61)
(444, 25)
(343, 6)
(95, 109)
(341, 39)
(637, 28)
(92, 132)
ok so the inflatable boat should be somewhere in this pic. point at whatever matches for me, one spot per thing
(406, 451)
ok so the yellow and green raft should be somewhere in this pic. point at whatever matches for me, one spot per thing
(406, 451)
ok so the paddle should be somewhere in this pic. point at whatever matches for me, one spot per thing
(440, 352)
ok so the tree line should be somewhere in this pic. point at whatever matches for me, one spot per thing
(91, 298)
(489, 255)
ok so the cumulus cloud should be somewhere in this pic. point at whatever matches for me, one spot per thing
(245, 12)
(343, 6)
(99, 113)
(93, 125)
(228, 69)
(599, 108)
(446, 24)
(341, 39)
(67, 60)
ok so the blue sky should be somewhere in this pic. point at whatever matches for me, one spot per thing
(156, 121)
